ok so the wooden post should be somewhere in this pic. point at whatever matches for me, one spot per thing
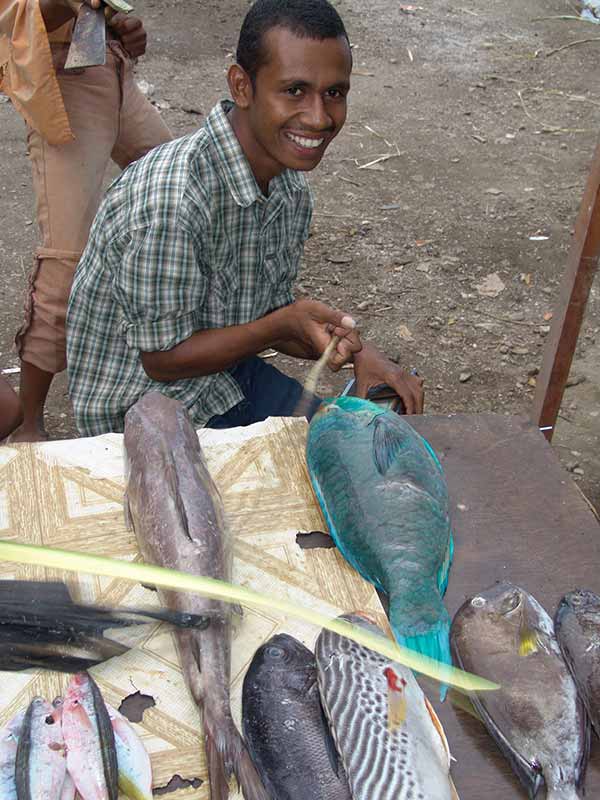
(570, 309)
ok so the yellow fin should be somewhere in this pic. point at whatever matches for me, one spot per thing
(528, 642)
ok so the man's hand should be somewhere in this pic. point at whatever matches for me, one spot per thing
(371, 368)
(309, 326)
(130, 31)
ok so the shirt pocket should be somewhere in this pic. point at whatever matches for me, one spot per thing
(280, 267)
(224, 286)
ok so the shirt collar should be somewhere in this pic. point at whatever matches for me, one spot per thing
(235, 167)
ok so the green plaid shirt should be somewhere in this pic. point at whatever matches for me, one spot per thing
(184, 241)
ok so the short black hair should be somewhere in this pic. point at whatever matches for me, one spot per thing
(309, 19)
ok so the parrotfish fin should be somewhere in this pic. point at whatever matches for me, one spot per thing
(435, 644)
(444, 571)
(388, 440)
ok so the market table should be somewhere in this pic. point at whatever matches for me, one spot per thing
(516, 515)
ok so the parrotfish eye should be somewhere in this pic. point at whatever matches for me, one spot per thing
(276, 653)
(478, 602)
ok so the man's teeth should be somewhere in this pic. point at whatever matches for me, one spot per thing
(305, 142)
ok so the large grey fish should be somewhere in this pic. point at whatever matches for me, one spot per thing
(535, 718)
(391, 742)
(178, 517)
(577, 624)
(284, 725)
(41, 764)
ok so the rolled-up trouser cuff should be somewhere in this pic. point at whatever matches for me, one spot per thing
(41, 340)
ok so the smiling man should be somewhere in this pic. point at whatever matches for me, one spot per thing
(191, 262)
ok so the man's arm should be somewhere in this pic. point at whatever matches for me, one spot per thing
(305, 326)
(372, 367)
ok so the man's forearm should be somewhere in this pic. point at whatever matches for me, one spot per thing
(215, 350)
(55, 13)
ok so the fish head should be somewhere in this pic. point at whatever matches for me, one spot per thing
(492, 613)
(284, 662)
(346, 412)
(582, 602)
(78, 686)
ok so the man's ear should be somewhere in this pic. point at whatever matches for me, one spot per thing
(240, 86)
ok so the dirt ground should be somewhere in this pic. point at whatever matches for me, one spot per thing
(487, 129)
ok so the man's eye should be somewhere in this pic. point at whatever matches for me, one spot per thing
(334, 93)
(295, 91)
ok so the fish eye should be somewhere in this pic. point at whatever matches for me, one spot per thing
(275, 653)
(478, 602)
(576, 600)
(512, 603)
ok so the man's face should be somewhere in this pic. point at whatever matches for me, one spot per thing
(298, 104)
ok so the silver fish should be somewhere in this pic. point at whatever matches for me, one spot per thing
(40, 766)
(178, 517)
(391, 742)
(9, 739)
(90, 741)
(535, 718)
(577, 623)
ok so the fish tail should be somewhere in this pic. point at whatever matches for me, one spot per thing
(226, 755)
(563, 793)
(433, 642)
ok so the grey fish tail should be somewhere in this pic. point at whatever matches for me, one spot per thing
(563, 792)
(226, 754)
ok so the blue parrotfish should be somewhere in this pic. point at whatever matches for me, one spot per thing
(385, 500)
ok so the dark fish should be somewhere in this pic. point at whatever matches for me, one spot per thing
(385, 499)
(577, 624)
(178, 518)
(42, 627)
(284, 725)
(391, 742)
(535, 718)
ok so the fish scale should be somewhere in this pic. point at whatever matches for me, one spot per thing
(410, 762)
(385, 500)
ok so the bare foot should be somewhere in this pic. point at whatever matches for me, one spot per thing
(28, 434)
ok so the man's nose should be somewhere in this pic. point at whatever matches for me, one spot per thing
(316, 115)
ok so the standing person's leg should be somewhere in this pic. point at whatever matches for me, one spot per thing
(67, 181)
(141, 126)
(11, 413)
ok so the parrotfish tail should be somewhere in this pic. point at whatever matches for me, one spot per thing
(435, 642)
(445, 568)
(226, 753)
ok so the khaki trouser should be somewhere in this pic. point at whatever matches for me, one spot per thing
(110, 118)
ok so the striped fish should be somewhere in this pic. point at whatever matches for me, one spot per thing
(390, 740)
